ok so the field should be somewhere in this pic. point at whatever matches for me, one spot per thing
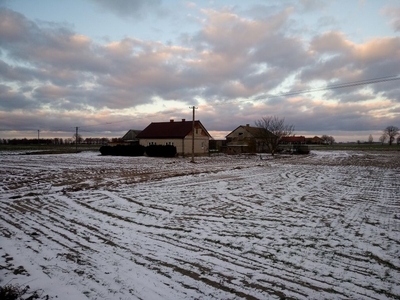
(85, 226)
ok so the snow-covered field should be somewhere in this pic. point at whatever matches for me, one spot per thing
(84, 226)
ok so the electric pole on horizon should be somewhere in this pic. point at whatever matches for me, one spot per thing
(194, 108)
(76, 139)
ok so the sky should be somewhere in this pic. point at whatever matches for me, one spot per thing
(110, 66)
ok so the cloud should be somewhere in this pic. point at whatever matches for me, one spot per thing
(312, 5)
(228, 68)
(394, 14)
(11, 99)
(130, 8)
(339, 60)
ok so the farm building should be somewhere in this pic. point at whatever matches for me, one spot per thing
(131, 136)
(315, 140)
(178, 134)
(246, 139)
(293, 140)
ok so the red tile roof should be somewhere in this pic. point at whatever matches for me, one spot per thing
(171, 129)
(293, 139)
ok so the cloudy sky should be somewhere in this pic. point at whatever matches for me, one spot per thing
(109, 66)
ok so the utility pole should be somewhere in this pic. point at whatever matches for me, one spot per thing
(194, 108)
(38, 136)
(76, 139)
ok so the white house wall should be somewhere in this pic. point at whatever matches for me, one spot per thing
(183, 146)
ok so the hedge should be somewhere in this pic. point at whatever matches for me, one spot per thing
(121, 150)
(161, 150)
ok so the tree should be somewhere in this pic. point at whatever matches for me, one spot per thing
(328, 139)
(370, 139)
(78, 138)
(391, 132)
(272, 129)
(383, 138)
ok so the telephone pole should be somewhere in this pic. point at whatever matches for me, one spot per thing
(76, 140)
(194, 108)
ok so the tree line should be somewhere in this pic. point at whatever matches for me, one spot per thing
(389, 134)
(56, 141)
(273, 129)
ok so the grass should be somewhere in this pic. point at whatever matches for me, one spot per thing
(55, 149)
(50, 149)
(355, 146)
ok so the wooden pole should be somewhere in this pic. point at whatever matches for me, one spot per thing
(193, 107)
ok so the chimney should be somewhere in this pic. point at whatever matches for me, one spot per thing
(183, 120)
(171, 121)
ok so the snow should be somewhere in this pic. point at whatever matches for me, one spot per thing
(85, 226)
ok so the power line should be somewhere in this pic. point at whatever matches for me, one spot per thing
(339, 86)
(328, 87)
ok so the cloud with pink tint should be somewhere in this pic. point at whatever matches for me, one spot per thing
(235, 63)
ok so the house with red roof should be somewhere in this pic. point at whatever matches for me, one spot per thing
(293, 140)
(178, 134)
(315, 140)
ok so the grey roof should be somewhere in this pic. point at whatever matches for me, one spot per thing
(131, 135)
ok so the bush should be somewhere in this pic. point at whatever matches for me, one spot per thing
(161, 150)
(16, 292)
(301, 149)
(121, 150)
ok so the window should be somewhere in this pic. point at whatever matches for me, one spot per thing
(169, 143)
(152, 143)
(240, 133)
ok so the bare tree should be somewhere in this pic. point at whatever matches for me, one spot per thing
(78, 138)
(391, 132)
(370, 139)
(328, 139)
(272, 129)
(383, 138)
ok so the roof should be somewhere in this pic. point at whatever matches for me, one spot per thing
(256, 132)
(131, 134)
(317, 138)
(171, 129)
(293, 139)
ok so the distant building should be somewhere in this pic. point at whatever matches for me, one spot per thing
(293, 140)
(314, 140)
(246, 139)
(131, 136)
(217, 146)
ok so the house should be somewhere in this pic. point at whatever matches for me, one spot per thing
(178, 134)
(314, 140)
(128, 139)
(131, 136)
(293, 140)
(246, 139)
(216, 146)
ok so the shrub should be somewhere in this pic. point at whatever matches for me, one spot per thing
(15, 292)
(121, 150)
(161, 150)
